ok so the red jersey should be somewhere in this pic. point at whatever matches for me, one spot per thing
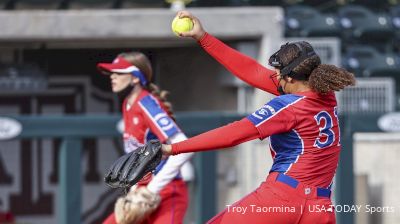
(304, 135)
(303, 127)
(146, 119)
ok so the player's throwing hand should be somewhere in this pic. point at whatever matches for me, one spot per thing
(197, 32)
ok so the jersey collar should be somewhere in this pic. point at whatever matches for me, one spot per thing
(314, 94)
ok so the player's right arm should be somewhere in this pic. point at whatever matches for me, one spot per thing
(242, 66)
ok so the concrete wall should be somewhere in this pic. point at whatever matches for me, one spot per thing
(192, 77)
(376, 168)
(143, 26)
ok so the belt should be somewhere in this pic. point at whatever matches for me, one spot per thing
(321, 192)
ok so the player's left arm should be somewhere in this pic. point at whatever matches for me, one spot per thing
(274, 117)
(227, 136)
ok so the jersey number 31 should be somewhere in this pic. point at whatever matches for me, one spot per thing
(326, 135)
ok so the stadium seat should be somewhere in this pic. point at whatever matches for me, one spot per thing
(395, 14)
(144, 4)
(93, 4)
(361, 25)
(366, 61)
(306, 21)
(214, 3)
(38, 4)
(259, 2)
(395, 18)
(5, 4)
(370, 4)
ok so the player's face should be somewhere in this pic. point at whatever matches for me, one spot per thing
(278, 73)
(280, 79)
(120, 81)
(282, 83)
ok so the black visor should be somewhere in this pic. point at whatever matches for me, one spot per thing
(275, 61)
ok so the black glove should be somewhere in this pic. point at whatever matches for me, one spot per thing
(132, 167)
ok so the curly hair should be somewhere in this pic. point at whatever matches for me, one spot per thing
(141, 61)
(321, 78)
(326, 78)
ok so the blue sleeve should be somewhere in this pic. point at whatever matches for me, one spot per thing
(158, 119)
(275, 117)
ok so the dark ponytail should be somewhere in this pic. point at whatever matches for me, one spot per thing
(162, 96)
(321, 78)
(326, 78)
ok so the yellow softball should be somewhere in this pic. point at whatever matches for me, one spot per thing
(180, 25)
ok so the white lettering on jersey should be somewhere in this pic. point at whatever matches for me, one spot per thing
(264, 111)
(164, 121)
(135, 121)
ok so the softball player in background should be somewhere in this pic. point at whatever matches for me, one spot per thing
(147, 115)
(302, 123)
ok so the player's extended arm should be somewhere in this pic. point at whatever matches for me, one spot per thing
(171, 168)
(223, 137)
(242, 66)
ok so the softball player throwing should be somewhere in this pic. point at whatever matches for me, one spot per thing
(147, 115)
(302, 123)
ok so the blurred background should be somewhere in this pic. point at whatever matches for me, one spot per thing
(58, 117)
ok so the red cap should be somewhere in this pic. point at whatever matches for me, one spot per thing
(119, 65)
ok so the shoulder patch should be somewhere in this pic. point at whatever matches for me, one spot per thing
(158, 116)
(272, 108)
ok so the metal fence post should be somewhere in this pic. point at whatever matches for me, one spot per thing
(345, 178)
(70, 181)
(206, 180)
